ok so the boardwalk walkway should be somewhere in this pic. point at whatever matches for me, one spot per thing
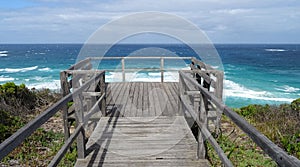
(142, 141)
(143, 99)
(142, 123)
(144, 128)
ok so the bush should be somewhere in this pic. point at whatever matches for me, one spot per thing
(296, 105)
(279, 123)
(9, 124)
(16, 98)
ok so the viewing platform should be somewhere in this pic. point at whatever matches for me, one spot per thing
(134, 123)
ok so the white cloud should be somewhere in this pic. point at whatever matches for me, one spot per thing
(218, 18)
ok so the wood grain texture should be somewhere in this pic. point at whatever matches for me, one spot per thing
(141, 99)
(142, 141)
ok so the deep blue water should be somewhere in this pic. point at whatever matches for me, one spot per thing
(253, 73)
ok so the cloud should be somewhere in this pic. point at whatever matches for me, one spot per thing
(75, 20)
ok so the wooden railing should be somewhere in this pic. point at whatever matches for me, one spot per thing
(96, 78)
(124, 69)
(194, 98)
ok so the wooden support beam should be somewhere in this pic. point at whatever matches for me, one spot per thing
(123, 69)
(79, 122)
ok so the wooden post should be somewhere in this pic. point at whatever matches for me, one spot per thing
(162, 69)
(79, 121)
(203, 124)
(103, 91)
(123, 69)
(219, 95)
(219, 85)
(65, 90)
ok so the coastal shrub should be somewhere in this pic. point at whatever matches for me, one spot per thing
(43, 144)
(238, 147)
(296, 105)
(16, 98)
(279, 123)
(20, 101)
(9, 124)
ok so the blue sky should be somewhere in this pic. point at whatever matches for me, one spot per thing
(73, 21)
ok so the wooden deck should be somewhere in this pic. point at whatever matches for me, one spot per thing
(143, 128)
(142, 141)
(143, 99)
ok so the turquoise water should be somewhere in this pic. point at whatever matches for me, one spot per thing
(253, 73)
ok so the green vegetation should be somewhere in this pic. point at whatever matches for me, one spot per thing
(238, 147)
(18, 105)
(279, 123)
(241, 151)
(18, 99)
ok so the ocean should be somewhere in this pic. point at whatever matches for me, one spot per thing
(254, 73)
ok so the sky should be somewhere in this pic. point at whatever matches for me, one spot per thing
(224, 21)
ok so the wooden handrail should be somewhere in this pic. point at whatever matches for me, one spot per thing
(162, 68)
(17, 138)
(205, 132)
(139, 57)
(275, 152)
(60, 154)
(80, 64)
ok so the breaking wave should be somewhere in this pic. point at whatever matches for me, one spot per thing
(14, 70)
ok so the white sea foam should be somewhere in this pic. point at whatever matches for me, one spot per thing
(53, 85)
(38, 78)
(275, 50)
(3, 52)
(14, 70)
(288, 89)
(45, 69)
(40, 53)
(233, 89)
(5, 79)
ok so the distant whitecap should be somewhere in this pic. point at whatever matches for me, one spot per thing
(275, 50)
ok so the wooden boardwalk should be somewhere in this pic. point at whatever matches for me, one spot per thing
(142, 141)
(142, 123)
(143, 128)
(142, 99)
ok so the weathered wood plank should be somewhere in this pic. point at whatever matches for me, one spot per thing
(146, 99)
(124, 109)
(136, 141)
(157, 108)
(171, 100)
(134, 106)
(143, 99)
(140, 100)
(131, 107)
(174, 89)
(151, 100)
(167, 110)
